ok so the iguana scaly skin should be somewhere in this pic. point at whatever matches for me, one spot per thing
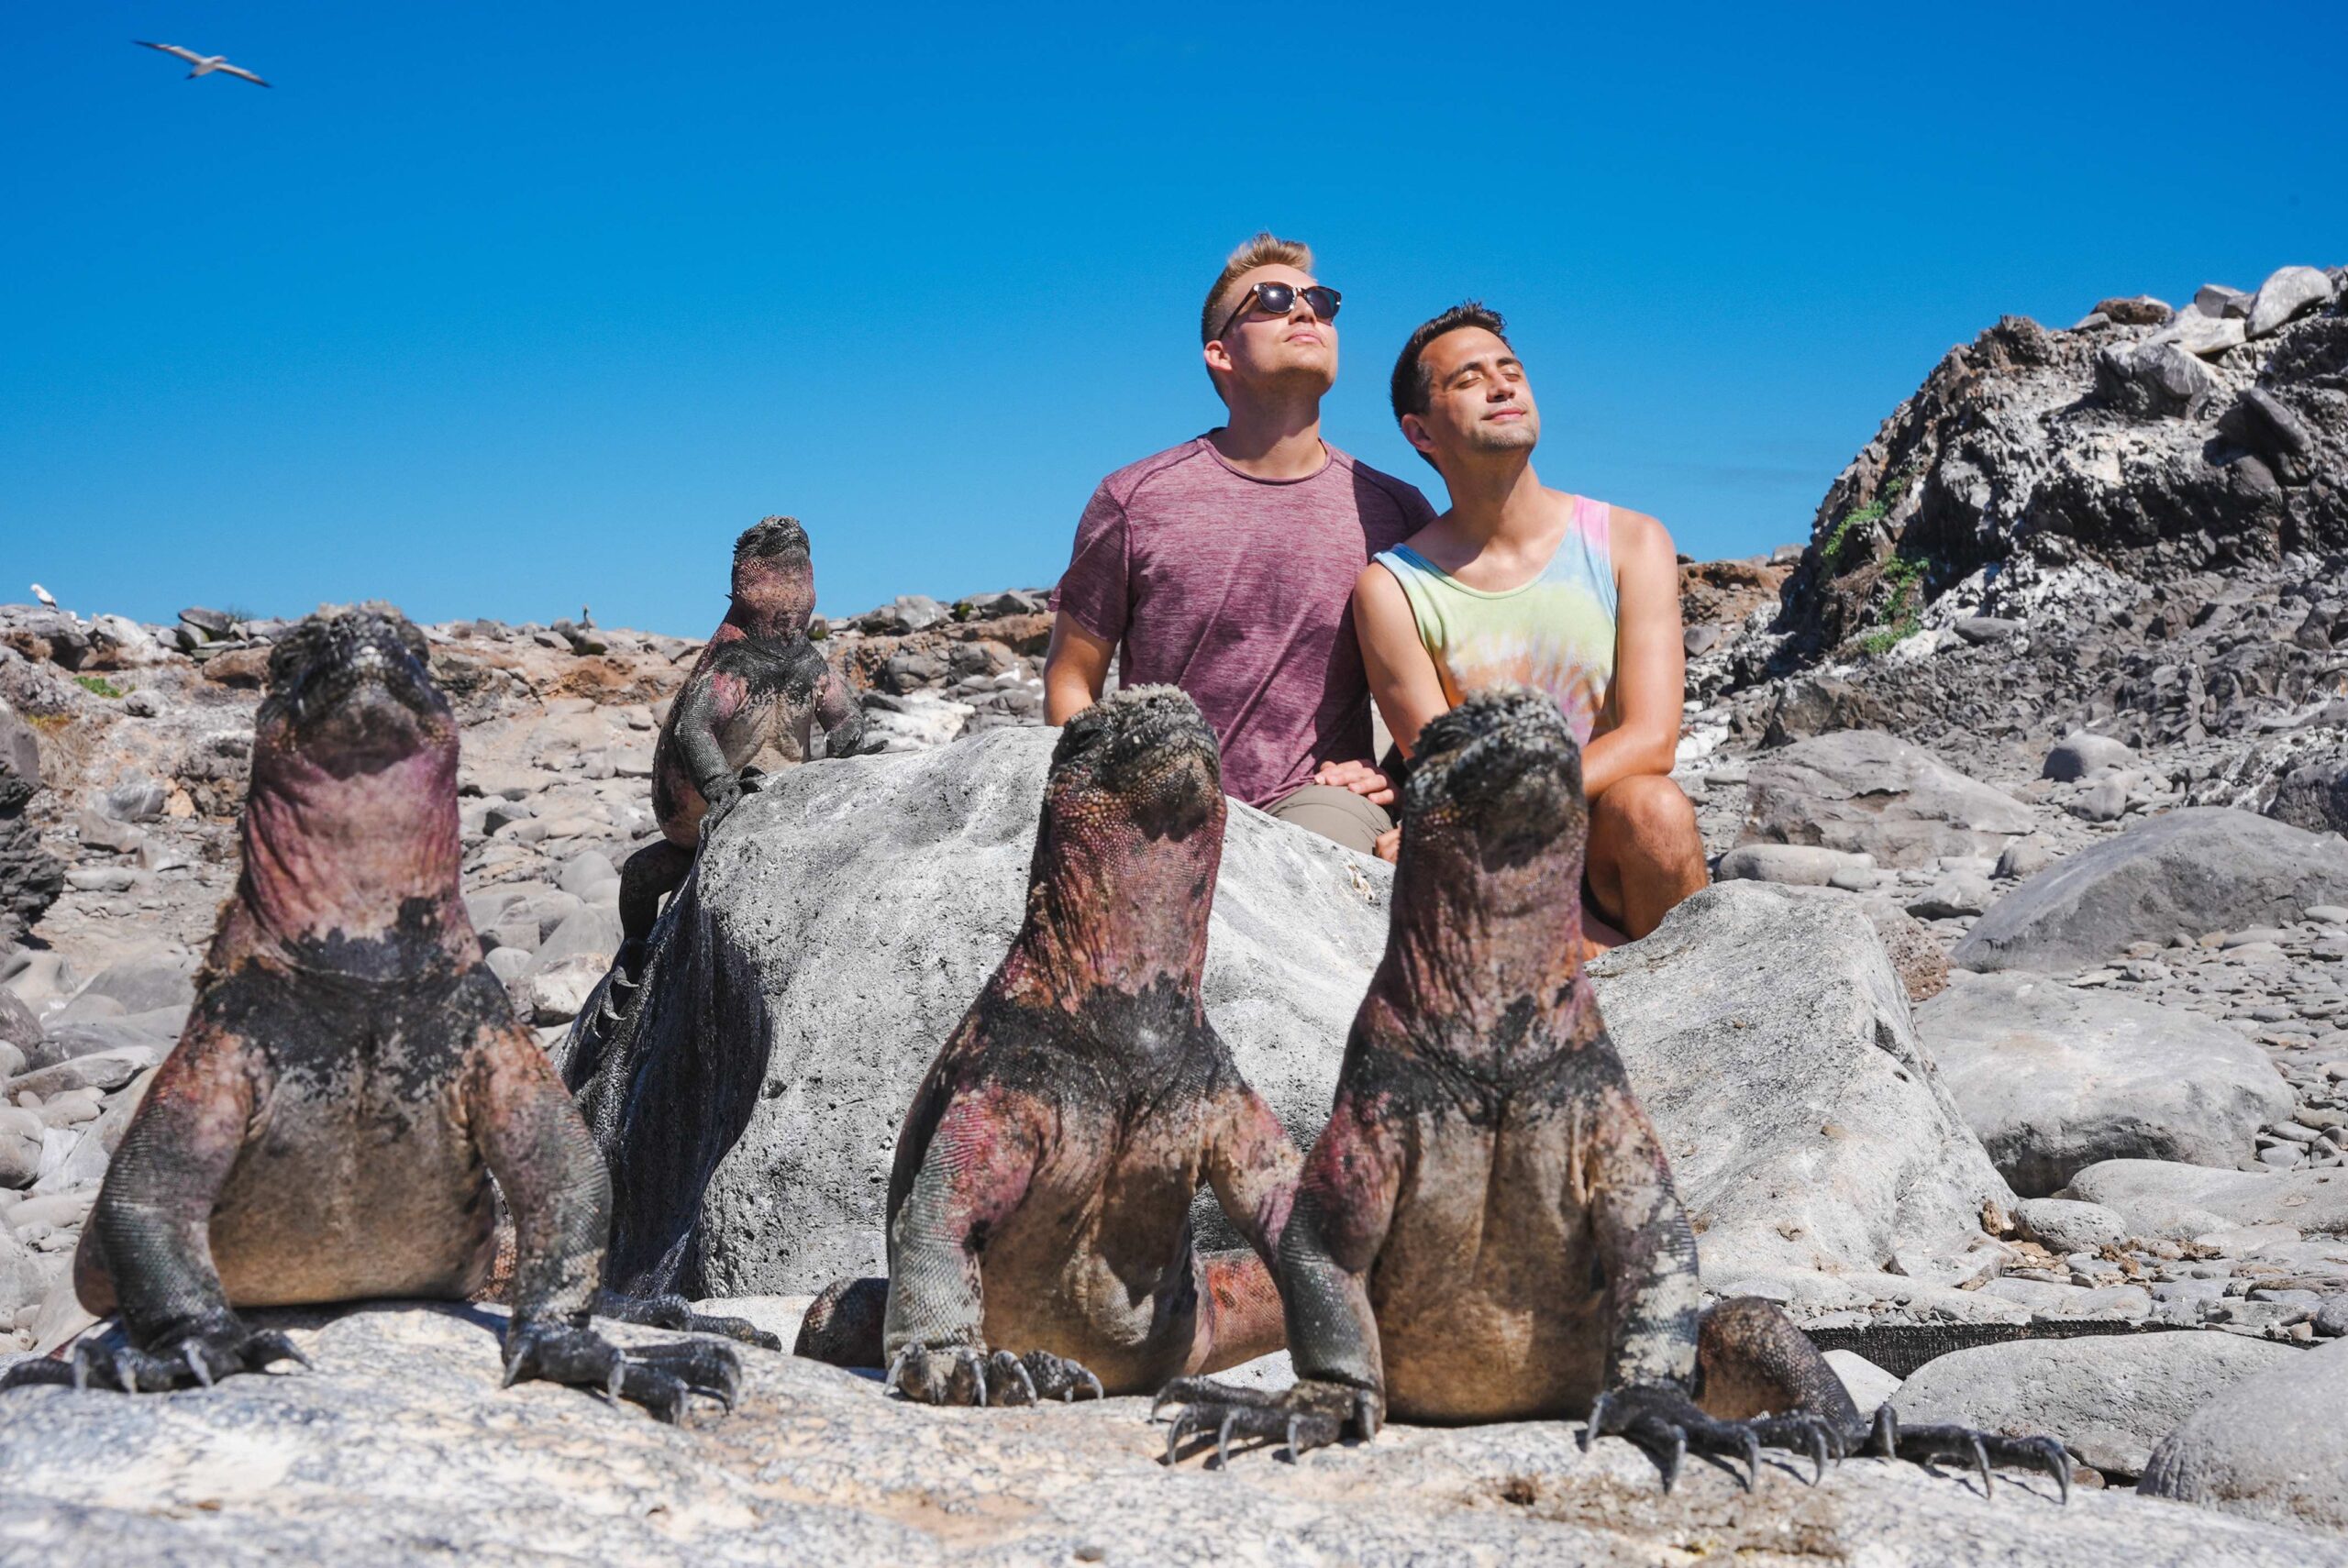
(758, 680)
(1487, 1229)
(352, 1077)
(1040, 1231)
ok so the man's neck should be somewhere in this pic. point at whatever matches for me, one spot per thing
(1501, 501)
(1274, 437)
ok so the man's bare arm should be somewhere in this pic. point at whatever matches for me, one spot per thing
(1650, 659)
(1402, 676)
(1075, 669)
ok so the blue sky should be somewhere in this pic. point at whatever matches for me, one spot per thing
(499, 309)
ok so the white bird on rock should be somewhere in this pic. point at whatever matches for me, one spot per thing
(49, 599)
(204, 64)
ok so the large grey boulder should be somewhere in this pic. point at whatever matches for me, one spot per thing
(2109, 1399)
(2205, 868)
(2178, 1202)
(834, 933)
(1864, 793)
(2270, 1447)
(1766, 1034)
(2314, 796)
(840, 923)
(398, 1447)
(2054, 1078)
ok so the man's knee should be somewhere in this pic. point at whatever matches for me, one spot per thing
(1339, 815)
(1649, 816)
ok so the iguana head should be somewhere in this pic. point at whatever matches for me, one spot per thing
(774, 578)
(352, 807)
(350, 693)
(1132, 832)
(1488, 887)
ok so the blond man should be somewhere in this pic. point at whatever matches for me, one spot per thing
(1225, 565)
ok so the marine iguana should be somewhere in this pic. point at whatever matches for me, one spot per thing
(760, 679)
(352, 1077)
(1039, 1211)
(1487, 1229)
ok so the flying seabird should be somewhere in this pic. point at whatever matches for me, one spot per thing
(204, 64)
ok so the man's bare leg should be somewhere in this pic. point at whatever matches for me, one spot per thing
(1645, 852)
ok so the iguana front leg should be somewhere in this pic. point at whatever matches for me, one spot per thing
(974, 1173)
(1648, 1252)
(147, 1252)
(703, 709)
(1344, 1203)
(841, 715)
(531, 1137)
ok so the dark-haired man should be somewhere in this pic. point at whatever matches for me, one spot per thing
(1224, 565)
(1519, 582)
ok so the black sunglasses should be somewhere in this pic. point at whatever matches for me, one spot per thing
(1277, 299)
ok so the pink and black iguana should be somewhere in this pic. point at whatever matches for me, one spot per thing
(1486, 1230)
(1039, 1209)
(352, 1080)
(758, 680)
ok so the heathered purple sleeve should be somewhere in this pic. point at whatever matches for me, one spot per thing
(1095, 590)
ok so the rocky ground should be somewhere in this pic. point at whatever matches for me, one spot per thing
(2054, 697)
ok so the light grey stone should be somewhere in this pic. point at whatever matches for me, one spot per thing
(2054, 1078)
(2161, 1198)
(2083, 754)
(1799, 864)
(99, 1069)
(399, 1447)
(2288, 293)
(2204, 869)
(2202, 337)
(2065, 1225)
(2162, 377)
(142, 984)
(2218, 299)
(1866, 792)
(2023, 858)
(2109, 1399)
(2105, 800)
(2268, 1447)
(1868, 1385)
(594, 932)
(584, 870)
(1966, 893)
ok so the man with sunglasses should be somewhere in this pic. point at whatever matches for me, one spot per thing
(1225, 566)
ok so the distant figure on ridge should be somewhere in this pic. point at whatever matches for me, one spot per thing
(1222, 565)
(758, 680)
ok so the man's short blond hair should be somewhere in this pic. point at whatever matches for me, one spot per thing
(1266, 249)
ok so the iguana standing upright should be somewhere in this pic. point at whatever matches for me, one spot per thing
(1486, 1230)
(1039, 1209)
(758, 680)
(352, 1077)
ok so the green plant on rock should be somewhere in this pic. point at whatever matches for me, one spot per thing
(1903, 613)
(97, 686)
(1843, 544)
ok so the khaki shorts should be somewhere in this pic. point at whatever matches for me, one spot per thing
(1334, 814)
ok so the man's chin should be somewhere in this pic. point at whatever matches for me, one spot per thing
(1514, 437)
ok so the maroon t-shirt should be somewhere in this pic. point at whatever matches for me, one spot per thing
(1240, 592)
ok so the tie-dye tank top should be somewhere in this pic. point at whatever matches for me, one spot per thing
(1556, 632)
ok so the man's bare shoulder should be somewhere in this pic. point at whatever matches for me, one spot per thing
(1636, 533)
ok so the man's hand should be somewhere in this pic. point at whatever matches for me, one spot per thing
(1389, 847)
(1361, 778)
